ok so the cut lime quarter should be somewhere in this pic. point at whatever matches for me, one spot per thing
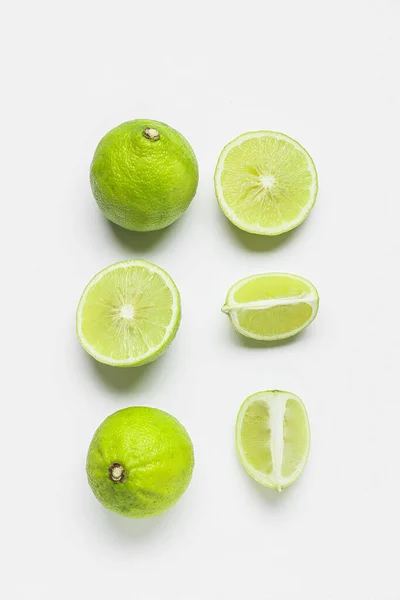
(271, 306)
(273, 437)
(265, 182)
(128, 314)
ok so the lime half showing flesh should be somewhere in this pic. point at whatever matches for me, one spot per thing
(128, 314)
(265, 182)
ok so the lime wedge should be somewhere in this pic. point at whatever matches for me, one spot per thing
(273, 438)
(265, 182)
(128, 314)
(271, 306)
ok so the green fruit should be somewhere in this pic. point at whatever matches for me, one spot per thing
(273, 438)
(265, 182)
(128, 314)
(140, 462)
(271, 306)
(144, 175)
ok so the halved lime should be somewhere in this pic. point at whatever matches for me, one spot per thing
(271, 306)
(273, 437)
(128, 314)
(265, 182)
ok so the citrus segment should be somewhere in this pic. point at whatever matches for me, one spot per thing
(273, 437)
(271, 306)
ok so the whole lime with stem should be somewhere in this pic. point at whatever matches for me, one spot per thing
(144, 174)
(140, 462)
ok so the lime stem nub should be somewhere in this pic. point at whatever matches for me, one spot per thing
(151, 134)
(117, 473)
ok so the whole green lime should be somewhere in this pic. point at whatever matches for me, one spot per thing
(140, 462)
(144, 175)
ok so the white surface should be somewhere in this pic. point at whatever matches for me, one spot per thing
(324, 73)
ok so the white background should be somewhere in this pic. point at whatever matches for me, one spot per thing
(326, 73)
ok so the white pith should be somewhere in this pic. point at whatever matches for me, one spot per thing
(267, 181)
(252, 228)
(276, 401)
(232, 308)
(127, 311)
(175, 312)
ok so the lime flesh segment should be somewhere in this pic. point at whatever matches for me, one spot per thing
(273, 437)
(271, 306)
(128, 314)
(265, 182)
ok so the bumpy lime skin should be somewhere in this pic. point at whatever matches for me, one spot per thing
(141, 184)
(156, 453)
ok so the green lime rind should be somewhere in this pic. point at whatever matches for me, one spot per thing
(265, 456)
(153, 352)
(153, 457)
(262, 314)
(255, 227)
(143, 184)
